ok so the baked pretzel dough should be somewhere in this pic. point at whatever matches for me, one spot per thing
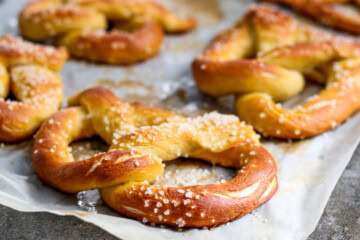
(338, 14)
(80, 25)
(140, 138)
(284, 51)
(99, 112)
(214, 138)
(29, 73)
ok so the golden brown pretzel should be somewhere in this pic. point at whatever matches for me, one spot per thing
(80, 25)
(141, 138)
(337, 14)
(96, 111)
(29, 72)
(284, 49)
(262, 29)
(202, 205)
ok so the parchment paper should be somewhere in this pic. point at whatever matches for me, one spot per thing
(308, 169)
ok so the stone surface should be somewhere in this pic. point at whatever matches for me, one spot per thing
(341, 218)
(340, 221)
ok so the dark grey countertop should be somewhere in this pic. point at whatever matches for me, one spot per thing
(340, 220)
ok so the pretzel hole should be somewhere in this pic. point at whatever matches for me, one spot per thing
(88, 148)
(10, 97)
(81, 150)
(190, 172)
(126, 26)
(310, 90)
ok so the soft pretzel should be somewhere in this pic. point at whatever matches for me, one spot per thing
(140, 138)
(29, 72)
(96, 111)
(80, 25)
(285, 50)
(338, 14)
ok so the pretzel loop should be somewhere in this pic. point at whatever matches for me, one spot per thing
(337, 14)
(140, 139)
(80, 25)
(29, 72)
(100, 113)
(284, 51)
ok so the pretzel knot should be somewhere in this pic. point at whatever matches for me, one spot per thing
(338, 14)
(29, 72)
(140, 139)
(285, 51)
(136, 27)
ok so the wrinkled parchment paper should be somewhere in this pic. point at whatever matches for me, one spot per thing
(308, 170)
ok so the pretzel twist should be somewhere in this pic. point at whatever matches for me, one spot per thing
(337, 14)
(141, 138)
(285, 50)
(80, 25)
(29, 72)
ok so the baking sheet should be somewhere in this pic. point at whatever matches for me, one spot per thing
(308, 169)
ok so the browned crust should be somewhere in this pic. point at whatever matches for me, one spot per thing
(326, 110)
(146, 135)
(125, 9)
(202, 205)
(261, 29)
(117, 47)
(332, 106)
(244, 76)
(27, 74)
(81, 27)
(276, 73)
(52, 161)
(326, 13)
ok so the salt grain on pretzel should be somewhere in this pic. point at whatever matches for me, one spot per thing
(140, 139)
(29, 73)
(285, 50)
(339, 14)
(80, 25)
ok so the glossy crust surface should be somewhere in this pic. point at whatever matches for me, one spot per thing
(136, 27)
(29, 73)
(140, 139)
(284, 52)
(342, 15)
